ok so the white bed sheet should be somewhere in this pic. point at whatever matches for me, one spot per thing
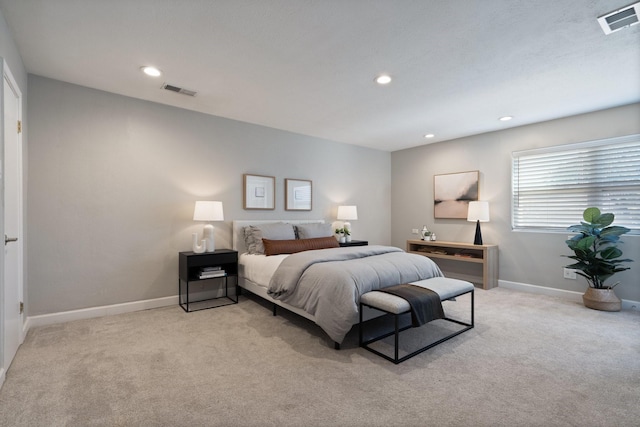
(259, 268)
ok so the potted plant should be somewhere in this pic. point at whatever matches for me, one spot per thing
(340, 235)
(597, 257)
(347, 234)
(425, 234)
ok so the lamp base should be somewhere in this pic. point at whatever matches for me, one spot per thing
(478, 238)
(207, 235)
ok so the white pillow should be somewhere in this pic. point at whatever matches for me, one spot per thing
(314, 230)
(253, 235)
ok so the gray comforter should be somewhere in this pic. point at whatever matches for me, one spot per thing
(327, 283)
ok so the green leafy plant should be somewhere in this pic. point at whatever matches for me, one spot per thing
(339, 230)
(595, 248)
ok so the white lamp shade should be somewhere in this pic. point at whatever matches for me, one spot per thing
(347, 213)
(478, 211)
(208, 211)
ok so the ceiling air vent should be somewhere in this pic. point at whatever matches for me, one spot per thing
(179, 89)
(619, 19)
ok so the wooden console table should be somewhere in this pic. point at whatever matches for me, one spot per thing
(474, 263)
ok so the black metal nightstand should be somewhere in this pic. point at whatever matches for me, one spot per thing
(355, 243)
(210, 267)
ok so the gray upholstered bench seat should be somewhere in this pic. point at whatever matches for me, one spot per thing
(446, 289)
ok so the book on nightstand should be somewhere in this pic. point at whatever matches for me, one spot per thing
(211, 272)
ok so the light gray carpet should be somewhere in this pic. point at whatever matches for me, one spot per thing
(530, 361)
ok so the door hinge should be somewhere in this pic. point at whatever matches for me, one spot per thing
(21, 307)
(19, 126)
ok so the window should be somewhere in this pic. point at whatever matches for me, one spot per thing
(551, 187)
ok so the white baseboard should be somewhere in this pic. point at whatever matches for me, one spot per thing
(109, 310)
(560, 293)
(89, 313)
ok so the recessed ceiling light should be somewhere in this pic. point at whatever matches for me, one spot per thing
(383, 79)
(505, 118)
(151, 71)
(429, 135)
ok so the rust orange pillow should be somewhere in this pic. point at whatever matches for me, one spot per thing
(279, 247)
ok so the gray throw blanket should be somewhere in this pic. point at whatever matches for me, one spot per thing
(425, 303)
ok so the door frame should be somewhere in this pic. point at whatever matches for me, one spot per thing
(6, 74)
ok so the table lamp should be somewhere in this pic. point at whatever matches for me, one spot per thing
(479, 212)
(346, 214)
(207, 211)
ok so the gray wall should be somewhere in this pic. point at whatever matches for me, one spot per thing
(113, 181)
(525, 257)
(9, 51)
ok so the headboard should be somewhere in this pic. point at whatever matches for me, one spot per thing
(238, 229)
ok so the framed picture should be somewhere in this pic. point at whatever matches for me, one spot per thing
(259, 192)
(297, 195)
(452, 193)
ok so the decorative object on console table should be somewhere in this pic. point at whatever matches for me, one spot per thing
(425, 234)
(207, 211)
(478, 212)
(355, 243)
(465, 261)
(340, 235)
(213, 267)
(346, 214)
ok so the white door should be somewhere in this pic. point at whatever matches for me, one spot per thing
(12, 181)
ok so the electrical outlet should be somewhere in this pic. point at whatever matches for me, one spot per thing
(570, 274)
(414, 231)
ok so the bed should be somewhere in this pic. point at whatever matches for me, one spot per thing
(322, 285)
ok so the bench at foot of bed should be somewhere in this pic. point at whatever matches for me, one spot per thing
(447, 289)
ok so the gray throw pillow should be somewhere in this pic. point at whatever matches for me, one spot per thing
(253, 235)
(315, 230)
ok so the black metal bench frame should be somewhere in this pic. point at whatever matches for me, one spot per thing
(398, 329)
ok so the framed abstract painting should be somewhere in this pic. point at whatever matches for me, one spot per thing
(259, 192)
(452, 193)
(297, 194)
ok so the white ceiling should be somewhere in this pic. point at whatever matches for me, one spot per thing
(307, 66)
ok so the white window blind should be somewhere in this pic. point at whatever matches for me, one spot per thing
(551, 187)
